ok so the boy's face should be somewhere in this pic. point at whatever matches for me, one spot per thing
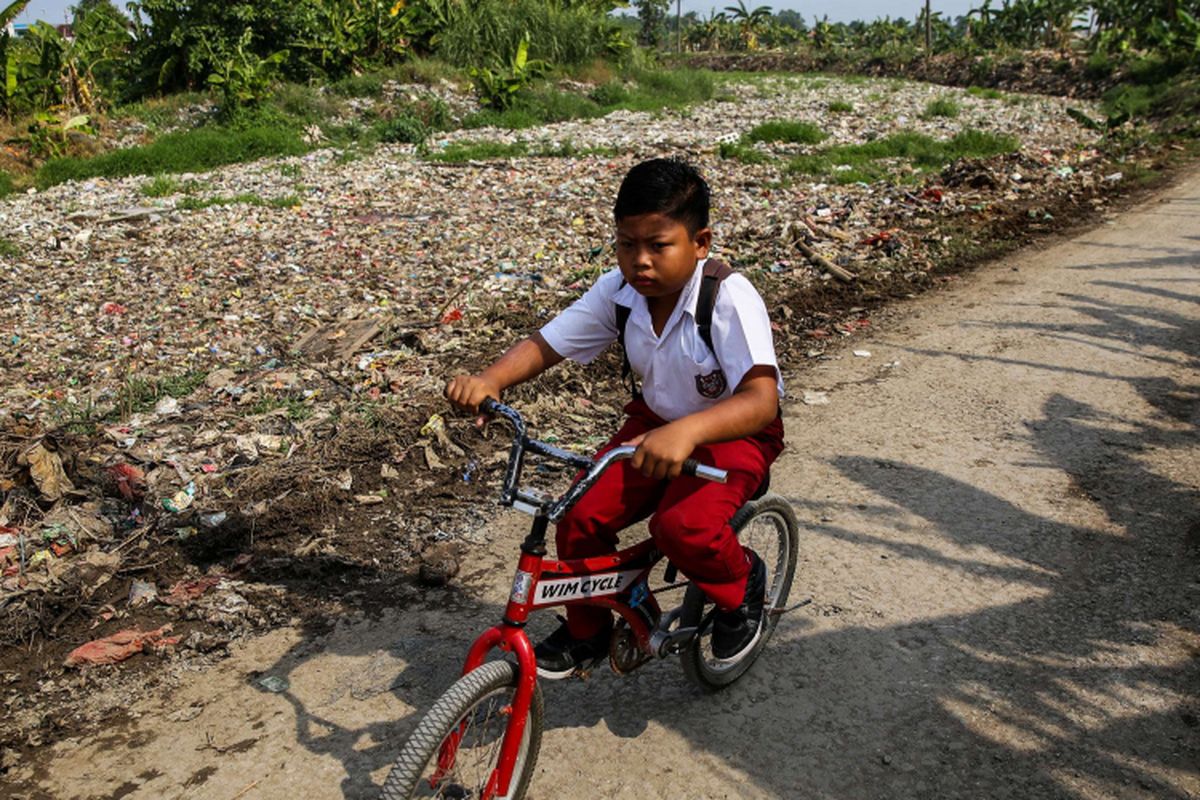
(657, 255)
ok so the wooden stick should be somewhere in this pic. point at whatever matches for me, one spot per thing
(248, 788)
(843, 275)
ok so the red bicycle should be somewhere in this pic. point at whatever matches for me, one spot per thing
(481, 738)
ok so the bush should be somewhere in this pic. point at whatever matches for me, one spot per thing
(612, 93)
(405, 129)
(190, 151)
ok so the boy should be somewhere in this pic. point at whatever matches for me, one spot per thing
(721, 408)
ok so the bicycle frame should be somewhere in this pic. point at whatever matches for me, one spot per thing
(617, 582)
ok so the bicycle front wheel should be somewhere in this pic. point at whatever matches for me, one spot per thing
(767, 526)
(468, 724)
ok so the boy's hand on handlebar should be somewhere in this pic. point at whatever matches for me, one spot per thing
(662, 451)
(466, 392)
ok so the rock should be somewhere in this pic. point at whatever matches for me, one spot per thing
(440, 563)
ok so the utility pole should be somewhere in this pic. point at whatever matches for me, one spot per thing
(928, 31)
(678, 26)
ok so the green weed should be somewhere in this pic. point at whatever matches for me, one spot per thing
(986, 94)
(297, 409)
(160, 186)
(743, 153)
(8, 249)
(840, 107)
(786, 131)
(6, 184)
(140, 394)
(941, 107)
(190, 151)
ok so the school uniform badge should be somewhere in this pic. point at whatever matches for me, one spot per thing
(712, 385)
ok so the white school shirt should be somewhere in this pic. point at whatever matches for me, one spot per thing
(677, 373)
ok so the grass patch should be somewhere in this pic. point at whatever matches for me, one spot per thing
(197, 203)
(461, 152)
(786, 131)
(743, 153)
(840, 107)
(8, 249)
(944, 107)
(191, 151)
(870, 161)
(986, 94)
(160, 186)
(6, 184)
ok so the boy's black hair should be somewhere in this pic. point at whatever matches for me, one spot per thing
(668, 186)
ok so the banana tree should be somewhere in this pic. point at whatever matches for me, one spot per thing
(749, 22)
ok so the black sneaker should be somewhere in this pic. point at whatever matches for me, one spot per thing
(736, 631)
(560, 654)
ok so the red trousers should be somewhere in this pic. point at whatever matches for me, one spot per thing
(690, 522)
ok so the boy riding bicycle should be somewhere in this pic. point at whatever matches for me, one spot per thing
(718, 404)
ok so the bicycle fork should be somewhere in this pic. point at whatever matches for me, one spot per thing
(509, 635)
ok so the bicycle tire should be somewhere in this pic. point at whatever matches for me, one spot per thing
(696, 657)
(493, 680)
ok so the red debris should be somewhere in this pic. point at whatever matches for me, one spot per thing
(882, 237)
(120, 646)
(453, 315)
(113, 308)
(130, 481)
(185, 592)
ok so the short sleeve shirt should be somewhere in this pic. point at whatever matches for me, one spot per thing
(677, 373)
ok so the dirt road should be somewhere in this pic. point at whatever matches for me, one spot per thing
(1002, 541)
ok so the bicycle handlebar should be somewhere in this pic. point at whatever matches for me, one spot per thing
(555, 510)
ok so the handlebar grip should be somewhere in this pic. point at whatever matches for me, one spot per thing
(694, 467)
(488, 406)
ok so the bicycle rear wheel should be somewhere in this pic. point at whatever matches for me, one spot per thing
(476, 710)
(769, 527)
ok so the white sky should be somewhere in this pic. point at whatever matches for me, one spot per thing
(55, 11)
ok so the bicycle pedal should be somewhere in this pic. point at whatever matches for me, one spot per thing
(584, 671)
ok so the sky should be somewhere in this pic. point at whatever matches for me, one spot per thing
(55, 11)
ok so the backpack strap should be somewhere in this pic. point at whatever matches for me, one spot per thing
(715, 271)
(626, 369)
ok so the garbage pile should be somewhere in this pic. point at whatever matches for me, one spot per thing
(186, 386)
